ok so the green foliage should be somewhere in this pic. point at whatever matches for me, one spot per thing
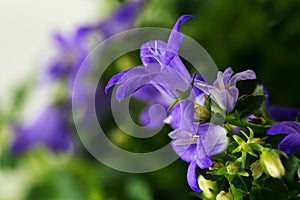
(248, 104)
(269, 188)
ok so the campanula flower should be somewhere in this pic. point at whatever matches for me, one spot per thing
(50, 129)
(73, 49)
(161, 68)
(151, 96)
(291, 143)
(224, 91)
(195, 143)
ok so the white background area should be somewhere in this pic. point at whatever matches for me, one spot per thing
(26, 29)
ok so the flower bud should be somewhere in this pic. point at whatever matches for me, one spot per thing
(201, 114)
(271, 164)
(224, 196)
(207, 186)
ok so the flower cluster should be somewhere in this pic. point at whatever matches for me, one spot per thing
(232, 152)
(51, 128)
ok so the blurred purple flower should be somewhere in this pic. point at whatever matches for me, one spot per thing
(279, 113)
(196, 143)
(50, 129)
(162, 68)
(224, 91)
(291, 143)
(122, 19)
(74, 49)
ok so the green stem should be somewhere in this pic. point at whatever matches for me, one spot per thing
(260, 130)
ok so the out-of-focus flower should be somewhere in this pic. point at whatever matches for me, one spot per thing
(272, 164)
(50, 129)
(291, 143)
(224, 91)
(73, 49)
(279, 113)
(196, 143)
(122, 19)
(162, 68)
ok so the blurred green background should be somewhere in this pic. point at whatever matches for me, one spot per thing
(262, 35)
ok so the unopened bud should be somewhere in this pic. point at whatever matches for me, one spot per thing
(224, 196)
(201, 114)
(271, 164)
(207, 186)
(298, 171)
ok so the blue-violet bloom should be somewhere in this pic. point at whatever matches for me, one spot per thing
(224, 91)
(195, 143)
(162, 68)
(50, 129)
(291, 143)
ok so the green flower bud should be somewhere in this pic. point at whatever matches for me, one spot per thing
(224, 196)
(201, 114)
(207, 186)
(271, 164)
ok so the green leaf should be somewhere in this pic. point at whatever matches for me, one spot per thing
(291, 167)
(248, 104)
(237, 193)
(243, 183)
(298, 117)
(259, 90)
(231, 147)
(270, 188)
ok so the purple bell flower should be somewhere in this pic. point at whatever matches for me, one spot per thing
(224, 91)
(162, 68)
(50, 129)
(74, 49)
(291, 143)
(195, 143)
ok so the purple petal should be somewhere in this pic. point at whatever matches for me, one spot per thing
(245, 75)
(229, 98)
(213, 140)
(50, 129)
(183, 147)
(175, 117)
(121, 19)
(214, 92)
(175, 38)
(192, 178)
(227, 75)
(187, 116)
(278, 113)
(115, 79)
(153, 116)
(128, 87)
(284, 128)
(153, 52)
(290, 144)
(172, 81)
(204, 162)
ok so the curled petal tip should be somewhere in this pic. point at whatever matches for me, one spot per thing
(181, 20)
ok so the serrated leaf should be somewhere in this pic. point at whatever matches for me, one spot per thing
(248, 104)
